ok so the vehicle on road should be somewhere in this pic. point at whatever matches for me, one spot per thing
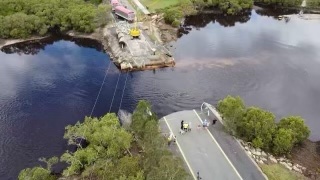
(125, 13)
(114, 4)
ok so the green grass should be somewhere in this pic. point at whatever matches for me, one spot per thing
(279, 172)
(153, 5)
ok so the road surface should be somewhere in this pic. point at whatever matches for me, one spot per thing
(200, 150)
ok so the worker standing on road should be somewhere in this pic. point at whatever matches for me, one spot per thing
(214, 121)
(182, 125)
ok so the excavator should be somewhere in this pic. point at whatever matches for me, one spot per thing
(135, 31)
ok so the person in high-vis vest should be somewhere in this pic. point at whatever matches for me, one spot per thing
(171, 138)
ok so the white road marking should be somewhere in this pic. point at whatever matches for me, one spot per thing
(184, 157)
(219, 147)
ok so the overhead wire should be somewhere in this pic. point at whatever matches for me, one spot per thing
(114, 93)
(104, 79)
(124, 87)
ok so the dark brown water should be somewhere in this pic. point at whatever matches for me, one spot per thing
(44, 87)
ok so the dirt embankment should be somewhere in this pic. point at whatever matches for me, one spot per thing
(308, 155)
(8, 42)
(96, 35)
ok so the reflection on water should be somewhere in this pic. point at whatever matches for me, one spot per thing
(271, 63)
(33, 47)
(202, 20)
(41, 94)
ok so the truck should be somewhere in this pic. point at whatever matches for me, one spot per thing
(124, 13)
(114, 4)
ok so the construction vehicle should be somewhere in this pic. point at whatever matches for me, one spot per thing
(135, 31)
(125, 13)
(114, 4)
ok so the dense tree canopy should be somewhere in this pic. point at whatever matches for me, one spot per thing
(107, 140)
(22, 18)
(37, 173)
(158, 162)
(313, 3)
(259, 127)
(113, 152)
(232, 109)
(282, 142)
(300, 131)
(281, 3)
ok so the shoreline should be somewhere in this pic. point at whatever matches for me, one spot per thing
(8, 42)
(106, 42)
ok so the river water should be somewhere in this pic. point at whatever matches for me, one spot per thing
(44, 87)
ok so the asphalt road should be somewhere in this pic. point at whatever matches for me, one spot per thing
(200, 150)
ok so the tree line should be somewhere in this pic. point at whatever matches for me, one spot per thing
(313, 3)
(173, 14)
(21, 18)
(258, 126)
(107, 150)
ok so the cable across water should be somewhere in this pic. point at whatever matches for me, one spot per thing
(104, 79)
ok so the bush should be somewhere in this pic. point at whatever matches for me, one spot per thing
(282, 141)
(36, 173)
(300, 131)
(170, 15)
(176, 23)
(232, 110)
(257, 125)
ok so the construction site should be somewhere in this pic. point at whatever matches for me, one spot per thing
(134, 43)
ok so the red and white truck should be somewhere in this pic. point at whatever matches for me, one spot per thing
(124, 13)
(114, 4)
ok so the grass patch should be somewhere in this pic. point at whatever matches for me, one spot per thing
(154, 5)
(139, 14)
(279, 172)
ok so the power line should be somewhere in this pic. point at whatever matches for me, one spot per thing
(100, 89)
(124, 87)
(104, 79)
(115, 90)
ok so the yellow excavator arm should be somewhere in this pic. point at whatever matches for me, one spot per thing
(135, 32)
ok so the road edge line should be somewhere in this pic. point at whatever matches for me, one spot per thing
(218, 116)
(224, 154)
(184, 157)
(253, 161)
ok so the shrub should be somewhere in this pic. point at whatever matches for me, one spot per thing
(36, 173)
(169, 16)
(256, 126)
(300, 131)
(176, 23)
(232, 110)
(283, 141)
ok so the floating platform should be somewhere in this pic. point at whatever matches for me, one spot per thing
(136, 53)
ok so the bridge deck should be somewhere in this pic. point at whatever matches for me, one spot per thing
(200, 149)
(211, 152)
